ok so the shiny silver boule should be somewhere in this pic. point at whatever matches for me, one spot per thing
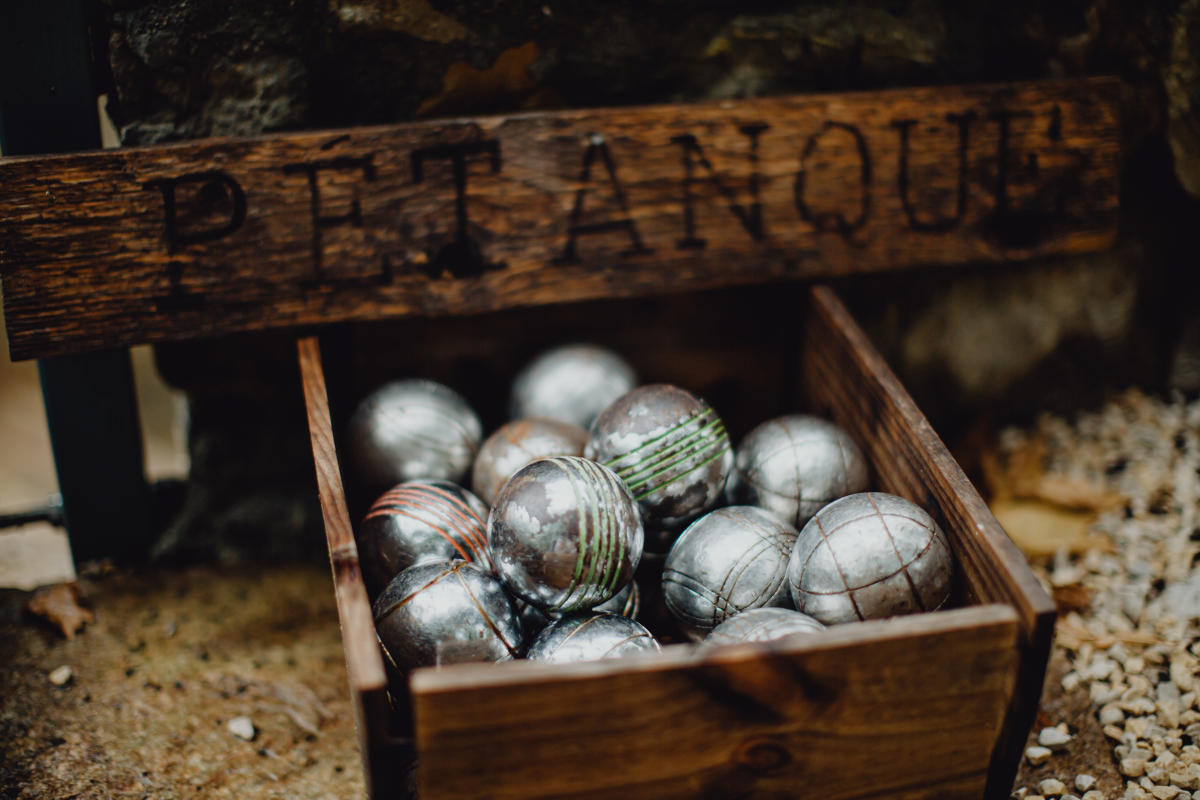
(726, 562)
(793, 465)
(445, 613)
(870, 556)
(669, 447)
(571, 384)
(515, 444)
(420, 521)
(411, 430)
(761, 625)
(625, 603)
(590, 636)
(564, 534)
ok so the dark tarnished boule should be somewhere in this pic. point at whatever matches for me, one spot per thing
(669, 447)
(515, 444)
(420, 521)
(412, 430)
(761, 625)
(793, 465)
(571, 384)
(590, 636)
(726, 562)
(625, 603)
(869, 556)
(564, 534)
(445, 613)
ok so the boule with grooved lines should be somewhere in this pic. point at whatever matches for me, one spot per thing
(571, 384)
(564, 534)
(870, 556)
(445, 613)
(793, 465)
(412, 430)
(625, 603)
(669, 447)
(420, 521)
(515, 444)
(761, 625)
(590, 636)
(726, 562)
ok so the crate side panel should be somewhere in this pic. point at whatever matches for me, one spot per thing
(904, 708)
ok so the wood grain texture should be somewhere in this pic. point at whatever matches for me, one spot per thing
(364, 664)
(851, 383)
(195, 240)
(815, 715)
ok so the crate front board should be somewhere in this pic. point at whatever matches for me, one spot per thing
(929, 706)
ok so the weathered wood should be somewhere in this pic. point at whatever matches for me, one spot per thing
(850, 382)
(816, 715)
(364, 664)
(460, 216)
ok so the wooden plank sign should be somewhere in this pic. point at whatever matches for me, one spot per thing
(111, 248)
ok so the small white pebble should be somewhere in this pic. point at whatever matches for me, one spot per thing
(1037, 755)
(1092, 795)
(1133, 767)
(1052, 787)
(1111, 714)
(1084, 782)
(1054, 738)
(242, 728)
(61, 676)
(1165, 792)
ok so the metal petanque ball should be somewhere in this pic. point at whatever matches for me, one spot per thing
(412, 429)
(625, 603)
(571, 384)
(420, 521)
(726, 562)
(515, 444)
(869, 556)
(669, 447)
(564, 534)
(793, 465)
(590, 636)
(445, 613)
(761, 625)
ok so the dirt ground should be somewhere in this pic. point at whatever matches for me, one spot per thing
(171, 657)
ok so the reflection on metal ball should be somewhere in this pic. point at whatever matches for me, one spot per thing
(669, 447)
(761, 625)
(625, 603)
(445, 613)
(571, 384)
(412, 430)
(590, 636)
(726, 562)
(793, 465)
(869, 556)
(421, 521)
(564, 534)
(517, 443)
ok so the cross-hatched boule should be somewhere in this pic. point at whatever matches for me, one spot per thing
(420, 521)
(669, 447)
(564, 534)
(795, 464)
(726, 562)
(761, 625)
(869, 556)
(515, 444)
(445, 613)
(571, 384)
(590, 636)
(412, 430)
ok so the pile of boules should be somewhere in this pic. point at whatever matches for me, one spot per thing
(538, 559)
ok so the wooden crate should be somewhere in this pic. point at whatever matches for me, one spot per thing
(927, 706)
(561, 213)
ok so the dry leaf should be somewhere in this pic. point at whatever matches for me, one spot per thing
(62, 605)
(1041, 529)
(508, 83)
